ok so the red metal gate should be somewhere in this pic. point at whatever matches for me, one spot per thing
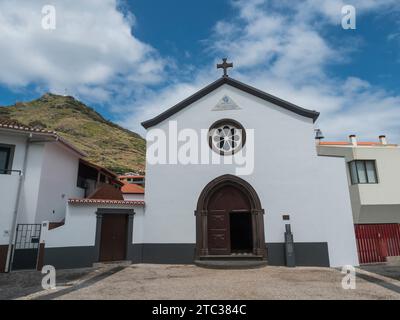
(375, 242)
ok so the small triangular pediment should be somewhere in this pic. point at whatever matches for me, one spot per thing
(235, 84)
(226, 103)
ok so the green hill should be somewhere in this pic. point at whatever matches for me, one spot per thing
(106, 143)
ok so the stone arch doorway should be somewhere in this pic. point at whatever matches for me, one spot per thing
(229, 219)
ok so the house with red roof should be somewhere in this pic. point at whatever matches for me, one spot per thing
(45, 185)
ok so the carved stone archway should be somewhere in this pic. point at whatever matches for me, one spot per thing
(256, 210)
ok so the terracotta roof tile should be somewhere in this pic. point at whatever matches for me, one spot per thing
(132, 188)
(105, 201)
(359, 143)
(17, 126)
(106, 191)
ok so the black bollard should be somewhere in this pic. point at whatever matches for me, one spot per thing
(289, 247)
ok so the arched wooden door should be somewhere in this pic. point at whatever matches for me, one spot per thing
(224, 206)
(229, 219)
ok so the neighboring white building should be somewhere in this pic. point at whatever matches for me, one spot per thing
(373, 175)
(37, 175)
(206, 211)
(39, 172)
(101, 228)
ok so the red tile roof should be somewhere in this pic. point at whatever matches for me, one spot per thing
(16, 126)
(105, 201)
(107, 194)
(106, 191)
(132, 188)
(359, 143)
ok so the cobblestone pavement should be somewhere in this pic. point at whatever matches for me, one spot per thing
(191, 282)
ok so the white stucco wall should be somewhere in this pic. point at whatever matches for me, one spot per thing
(388, 171)
(133, 197)
(335, 206)
(58, 182)
(9, 184)
(373, 203)
(30, 188)
(288, 176)
(138, 224)
(50, 173)
(80, 226)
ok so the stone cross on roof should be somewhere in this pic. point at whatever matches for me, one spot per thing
(225, 65)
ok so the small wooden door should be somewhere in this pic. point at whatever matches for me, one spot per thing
(221, 204)
(113, 237)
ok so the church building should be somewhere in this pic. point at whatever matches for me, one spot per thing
(200, 212)
(233, 179)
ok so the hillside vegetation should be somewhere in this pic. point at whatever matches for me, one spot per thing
(106, 143)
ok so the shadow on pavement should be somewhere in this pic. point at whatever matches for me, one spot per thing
(84, 284)
(22, 283)
(392, 272)
(383, 270)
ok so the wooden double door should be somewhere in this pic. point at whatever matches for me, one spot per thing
(114, 232)
(229, 222)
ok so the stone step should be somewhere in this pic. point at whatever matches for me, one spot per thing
(112, 263)
(230, 264)
(232, 257)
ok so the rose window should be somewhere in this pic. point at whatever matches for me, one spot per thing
(227, 137)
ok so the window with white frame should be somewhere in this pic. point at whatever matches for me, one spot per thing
(363, 171)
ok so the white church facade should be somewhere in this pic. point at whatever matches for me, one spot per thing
(227, 171)
(200, 211)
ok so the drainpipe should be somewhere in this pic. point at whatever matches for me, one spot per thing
(16, 207)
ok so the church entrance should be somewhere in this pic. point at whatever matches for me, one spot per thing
(229, 222)
(241, 232)
(229, 219)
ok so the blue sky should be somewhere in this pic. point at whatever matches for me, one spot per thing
(133, 59)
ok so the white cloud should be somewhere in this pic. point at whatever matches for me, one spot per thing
(91, 50)
(151, 103)
(393, 36)
(279, 47)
